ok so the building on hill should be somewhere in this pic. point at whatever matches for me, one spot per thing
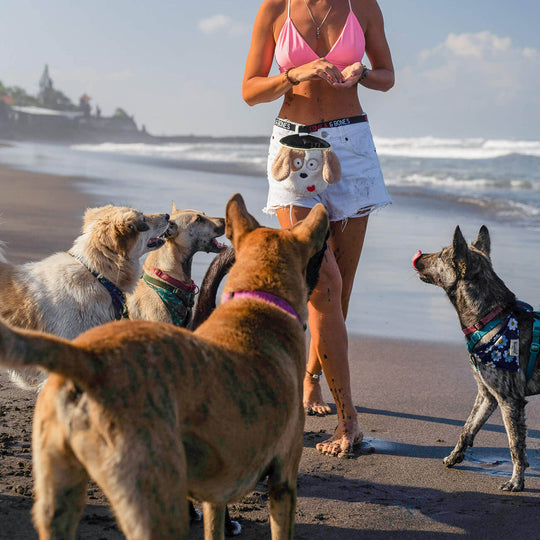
(52, 115)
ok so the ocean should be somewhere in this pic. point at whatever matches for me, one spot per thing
(435, 184)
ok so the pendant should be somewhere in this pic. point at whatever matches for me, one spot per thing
(317, 32)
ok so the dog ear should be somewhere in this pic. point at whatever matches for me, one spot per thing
(461, 250)
(331, 167)
(313, 228)
(238, 221)
(483, 242)
(281, 166)
(93, 214)
(174, 209)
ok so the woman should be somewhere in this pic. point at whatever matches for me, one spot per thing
(319, 46)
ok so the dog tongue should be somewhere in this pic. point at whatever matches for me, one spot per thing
(416, 256)
(311, 188)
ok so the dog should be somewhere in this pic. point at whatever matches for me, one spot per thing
(206, 300)
(166, 291)
(70, 292)
(502, 365)
(154, 413)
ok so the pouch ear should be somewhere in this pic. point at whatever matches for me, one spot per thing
(238, 221)
(483, 242)
(461, 250)
(331, 167)
(313, 229)
(281, 167)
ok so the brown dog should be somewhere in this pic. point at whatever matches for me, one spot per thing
(155, 413)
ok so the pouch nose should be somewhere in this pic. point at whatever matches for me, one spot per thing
(415, 258)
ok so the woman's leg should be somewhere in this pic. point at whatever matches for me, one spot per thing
(329, 344)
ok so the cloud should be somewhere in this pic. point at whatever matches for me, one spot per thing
(221, 23)
(469, 83)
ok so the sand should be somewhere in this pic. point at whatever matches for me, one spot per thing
(412, 396)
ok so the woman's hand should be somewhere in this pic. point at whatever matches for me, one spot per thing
(318, 69)
(351, 75)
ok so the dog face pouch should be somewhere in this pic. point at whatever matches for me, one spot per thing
(305, 165)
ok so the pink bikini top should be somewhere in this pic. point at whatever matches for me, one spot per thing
(292, 49)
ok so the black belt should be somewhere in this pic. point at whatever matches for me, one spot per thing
(301, 128)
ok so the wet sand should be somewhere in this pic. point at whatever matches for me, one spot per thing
(412, 396)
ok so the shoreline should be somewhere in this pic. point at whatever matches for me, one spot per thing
(412, 397)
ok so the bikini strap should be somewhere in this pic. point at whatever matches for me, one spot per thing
(350, 7)
(289, 9)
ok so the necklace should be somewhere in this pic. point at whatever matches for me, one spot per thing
(318, 27)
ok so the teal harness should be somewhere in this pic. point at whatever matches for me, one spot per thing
(177, 301)
(535, 341)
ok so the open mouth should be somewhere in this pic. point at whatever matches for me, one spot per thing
(155, 243)
(215, 247)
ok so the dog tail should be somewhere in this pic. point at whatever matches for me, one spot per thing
(20, 349)
(217, 270)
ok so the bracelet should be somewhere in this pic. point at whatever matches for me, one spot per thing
(364, 74)
(313, 376)
(294, 83)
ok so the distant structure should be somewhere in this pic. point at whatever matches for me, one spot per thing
(45, 86)
(52, 115)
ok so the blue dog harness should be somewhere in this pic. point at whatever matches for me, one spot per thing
(502, 350)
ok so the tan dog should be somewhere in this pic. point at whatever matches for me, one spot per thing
(60, 295)
(155, 413)
(166, 292)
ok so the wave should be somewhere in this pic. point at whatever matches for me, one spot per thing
(255, 153)
(196, 151)
(453, 183)
(439, 148)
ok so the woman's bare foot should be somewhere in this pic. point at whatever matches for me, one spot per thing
(314, 404)
(342, 443)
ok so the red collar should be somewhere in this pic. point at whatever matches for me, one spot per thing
(482, 322)
(185, 286)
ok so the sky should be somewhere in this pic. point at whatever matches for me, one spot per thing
(464, 68)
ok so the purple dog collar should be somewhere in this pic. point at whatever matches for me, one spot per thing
(267, 297)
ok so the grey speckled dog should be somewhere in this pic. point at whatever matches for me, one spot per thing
(499, 335)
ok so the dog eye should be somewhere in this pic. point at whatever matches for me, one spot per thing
(297, 163)
(312, 164)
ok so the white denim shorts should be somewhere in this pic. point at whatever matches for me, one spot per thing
(361, 188)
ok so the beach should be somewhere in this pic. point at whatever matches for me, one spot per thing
(412, 395)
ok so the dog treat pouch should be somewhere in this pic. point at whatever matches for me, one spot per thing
(305, 165)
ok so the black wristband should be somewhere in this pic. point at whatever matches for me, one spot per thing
(364, 74)
(294, 83)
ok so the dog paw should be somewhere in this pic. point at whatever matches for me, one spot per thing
(513, 485)
(452, 459)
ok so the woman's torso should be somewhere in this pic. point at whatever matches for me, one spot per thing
(341, 42)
